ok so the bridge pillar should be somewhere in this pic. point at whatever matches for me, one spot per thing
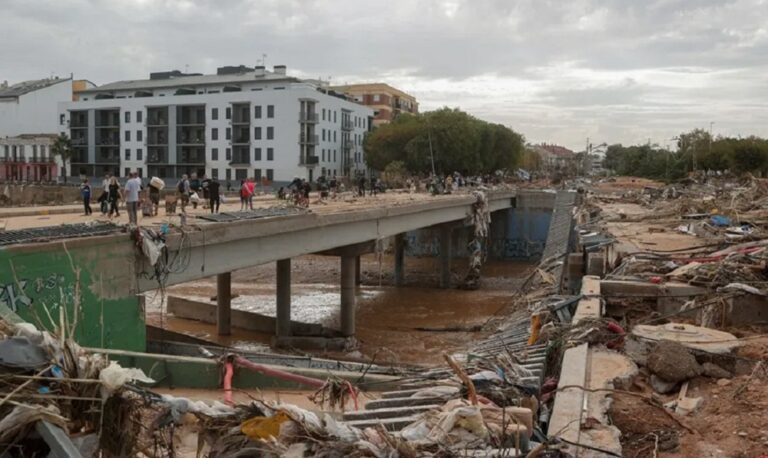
(399, 259)
(445, 256)
(224, 303)
(358, 276)
(283, 313)
(348, 270)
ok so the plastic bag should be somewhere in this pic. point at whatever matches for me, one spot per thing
(264, 427)
(114, 376)
(194, 197)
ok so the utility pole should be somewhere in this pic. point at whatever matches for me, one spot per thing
(710, 137)
(431, 155)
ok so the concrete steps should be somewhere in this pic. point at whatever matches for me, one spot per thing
(389, 412)
(403, 402)
(390, 424)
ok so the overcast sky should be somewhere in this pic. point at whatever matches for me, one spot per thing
(556, 71)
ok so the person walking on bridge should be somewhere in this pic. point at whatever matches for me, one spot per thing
(85, 191)
(113, 197)
(213, 194)
(132, 189)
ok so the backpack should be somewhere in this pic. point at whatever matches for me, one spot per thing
(180, 187)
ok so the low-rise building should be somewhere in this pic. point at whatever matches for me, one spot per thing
(28, 157)
(28, 126)
(555, 157)
(386, 101)
(240, 123)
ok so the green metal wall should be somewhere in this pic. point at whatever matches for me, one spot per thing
(36, 280)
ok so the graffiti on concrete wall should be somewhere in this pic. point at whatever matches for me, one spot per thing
(18, 295)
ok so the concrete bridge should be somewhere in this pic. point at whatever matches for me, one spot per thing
(114, 270)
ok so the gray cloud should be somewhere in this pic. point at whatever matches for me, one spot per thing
(611, 70)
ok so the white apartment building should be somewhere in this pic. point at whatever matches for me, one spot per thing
(30, 107)
(29, 125)
(242, 122)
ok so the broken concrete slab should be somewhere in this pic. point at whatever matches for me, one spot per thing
(673, 362)
(714, 371)
(695, 337)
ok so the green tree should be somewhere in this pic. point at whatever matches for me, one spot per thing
(750, 155)
(450, 139)
(62, 147)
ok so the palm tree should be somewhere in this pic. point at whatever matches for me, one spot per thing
(62, 147)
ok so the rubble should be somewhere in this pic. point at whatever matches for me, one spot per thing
(672, 362)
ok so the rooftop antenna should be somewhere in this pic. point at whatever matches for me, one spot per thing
(264, 60)
(186, 68)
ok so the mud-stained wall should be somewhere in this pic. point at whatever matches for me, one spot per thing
(38, 281)
(518, 233)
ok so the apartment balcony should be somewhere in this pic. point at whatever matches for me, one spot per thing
(347, 144)
(308, 139)
(108, 156)
(41, 160)
(188, 141)
(309, 161)
(191, 159)
(157, 122)
(347, 124)
(13, 159)
(78, 141)
(240, 159)
(308, 117)
(79, 156)
(157, 159)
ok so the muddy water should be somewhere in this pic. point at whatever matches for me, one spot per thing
(411, 324)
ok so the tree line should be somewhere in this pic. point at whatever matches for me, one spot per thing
(448, 139)
(696, 150)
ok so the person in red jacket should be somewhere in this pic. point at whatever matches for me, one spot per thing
(251, 191)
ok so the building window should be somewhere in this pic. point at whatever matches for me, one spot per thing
(214, 134)
(270, 154)
(257, 133)
(270, 133)
(323, 114)
(215, 174)
(214, 154)
(229, 174)
(140, 171)
(334, 136)
(139, 135)
(228, 133)
(334, 155)
(257, 175)
(257, 154)
(334, 116)
(139, 116)
(127, 154)
(229, 154)
(376, 98)
(214, 114)
(127, 171)
(42, 150)
(139, 154)
(61, 119)
(323, 134)
(127, 135)
(257, 111)
(229, 112)
(127, 116)
(270, 111)
(270, 174)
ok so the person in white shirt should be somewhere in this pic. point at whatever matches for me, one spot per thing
(132, 189)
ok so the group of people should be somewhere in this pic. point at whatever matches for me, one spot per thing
(112, 194)
(189, 190)
(376, 186)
